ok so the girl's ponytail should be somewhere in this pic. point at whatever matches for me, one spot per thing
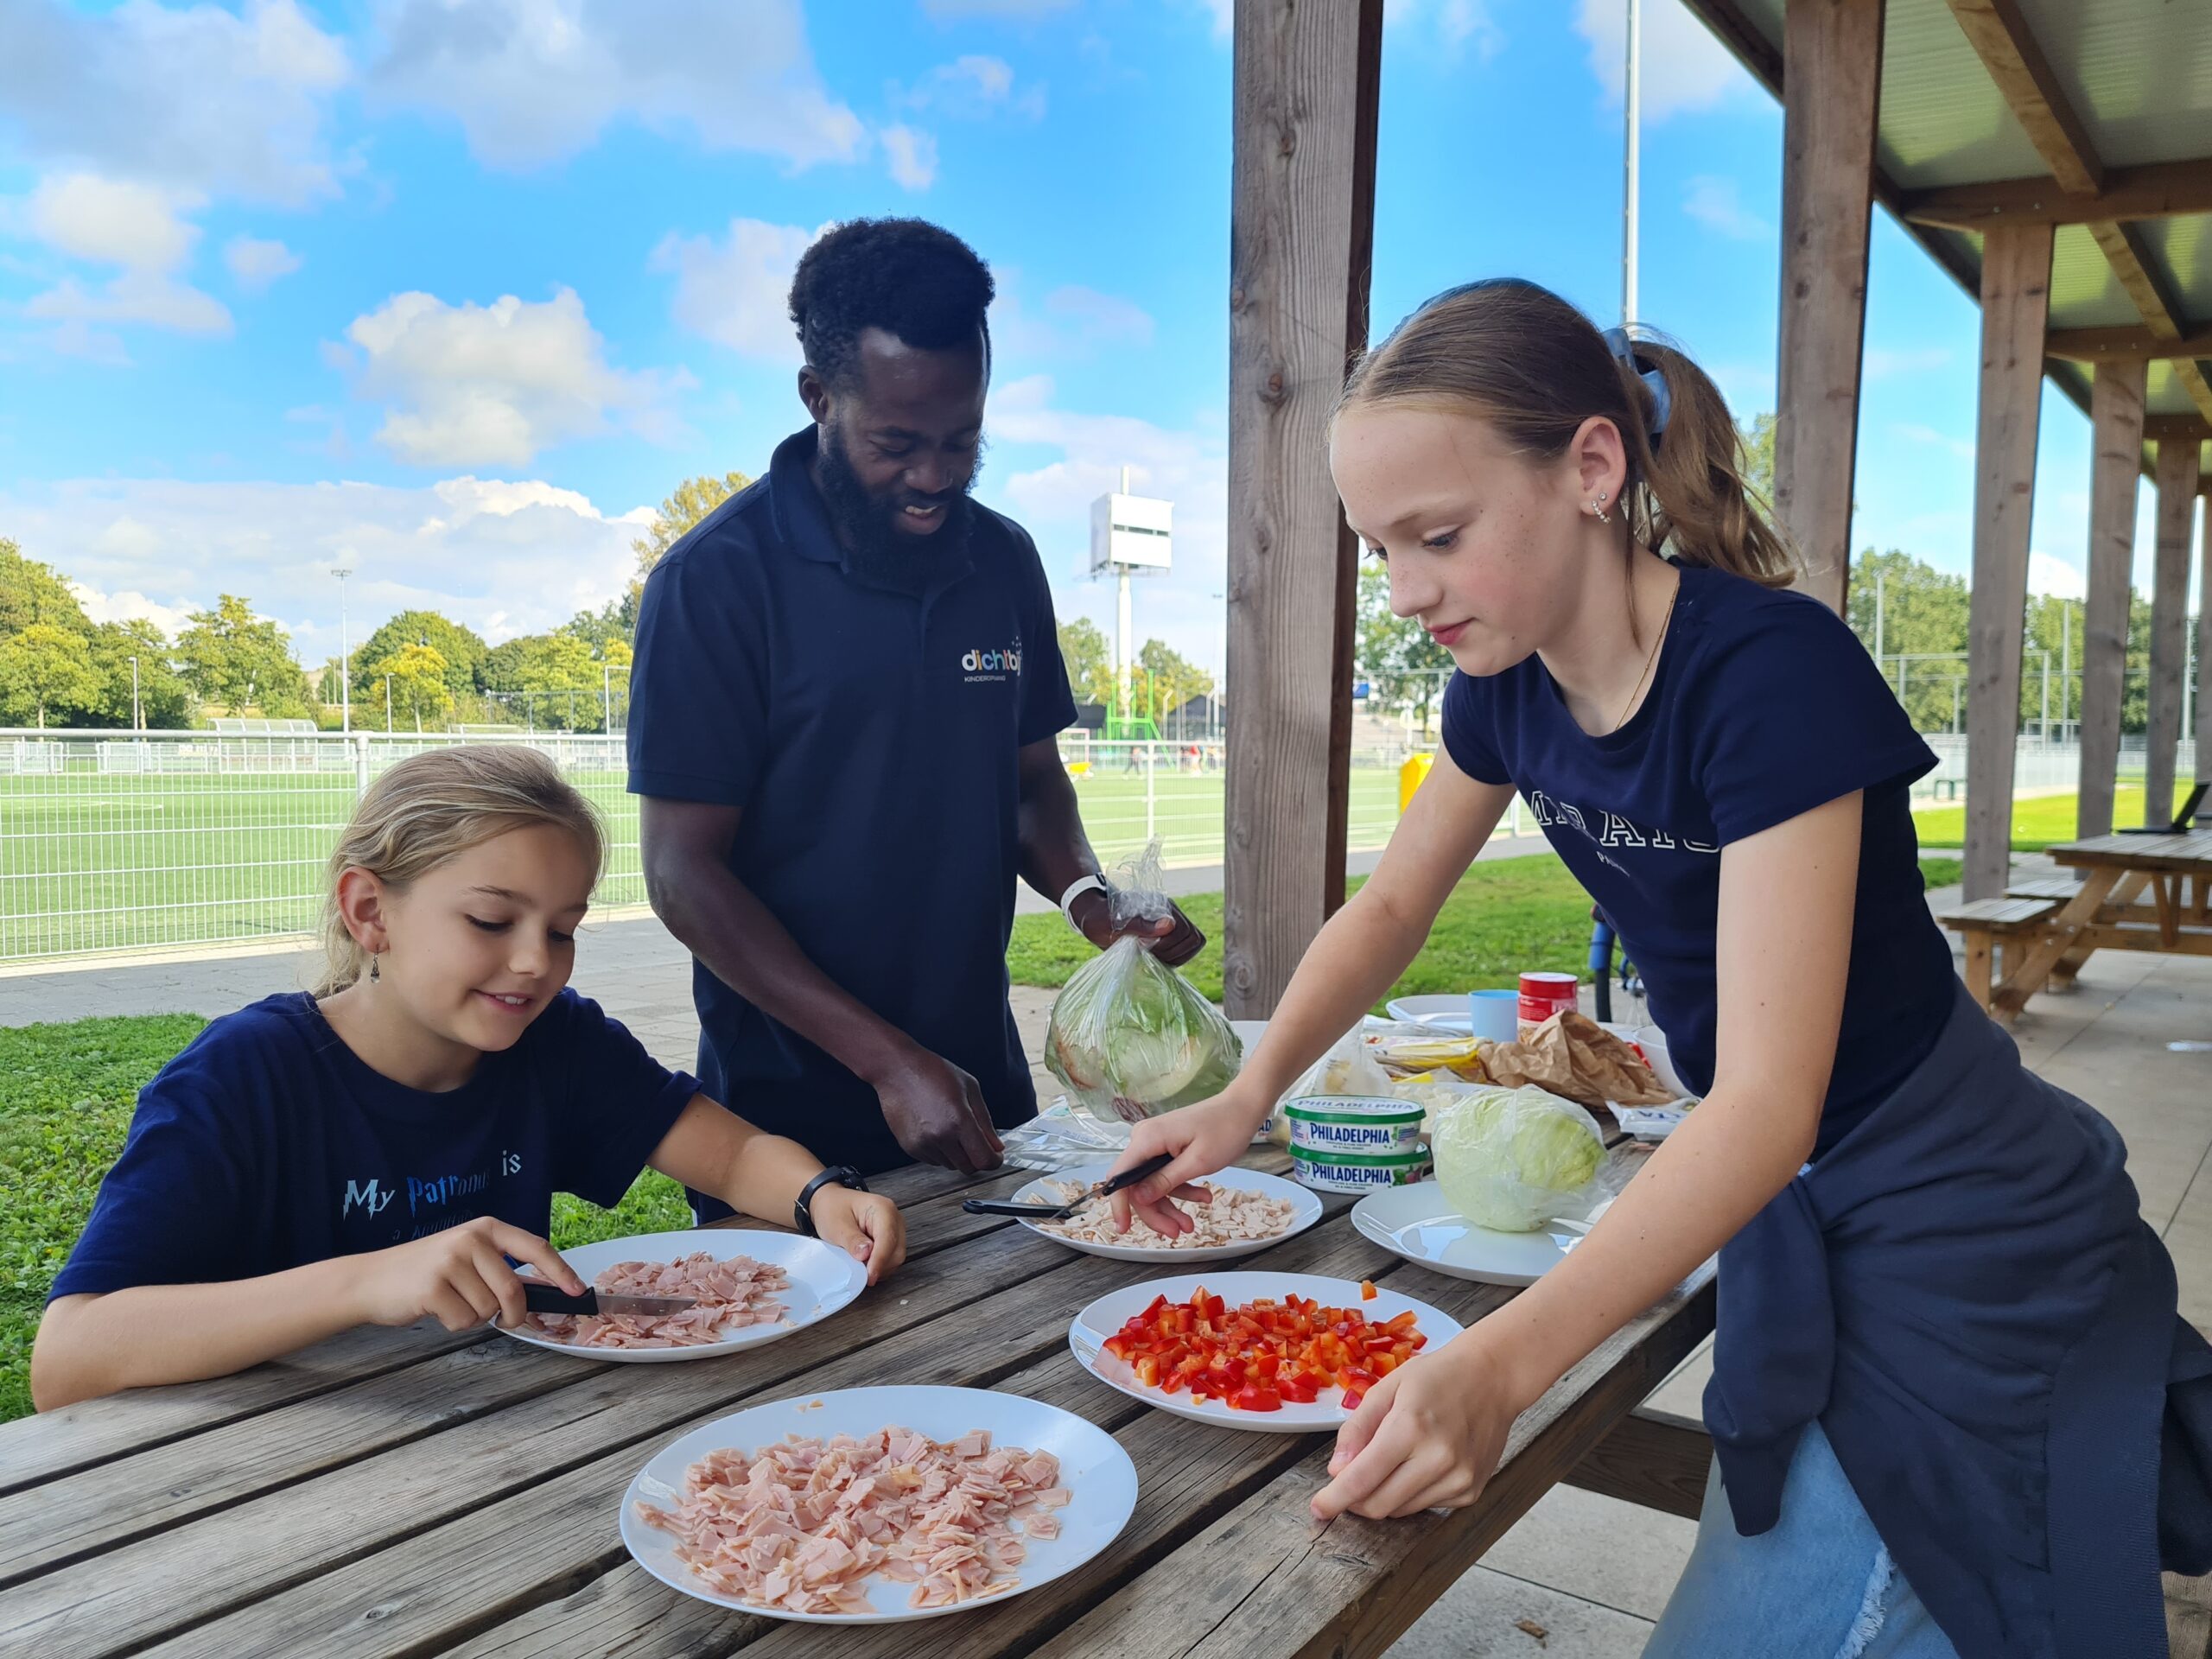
(1695, 501)
(1536, 368)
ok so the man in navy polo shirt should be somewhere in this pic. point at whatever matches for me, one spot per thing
(845, 706)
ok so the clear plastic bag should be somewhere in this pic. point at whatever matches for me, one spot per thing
(1129, 1036)
(1515, 1159)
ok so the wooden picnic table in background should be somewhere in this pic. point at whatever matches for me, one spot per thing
(2135, 893)
(417, 1492)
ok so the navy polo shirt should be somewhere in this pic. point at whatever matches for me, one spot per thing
(870, 737)
(1763, 705)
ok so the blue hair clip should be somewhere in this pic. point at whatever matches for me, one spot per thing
(1663, 402)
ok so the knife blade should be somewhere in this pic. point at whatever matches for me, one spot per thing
(1061, 1211)
(550, 1299)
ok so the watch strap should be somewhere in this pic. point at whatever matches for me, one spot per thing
(836, 1175)
(1075, 889)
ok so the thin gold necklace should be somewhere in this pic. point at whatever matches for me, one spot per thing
(1650, 657)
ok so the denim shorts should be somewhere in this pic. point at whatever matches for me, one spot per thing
(1818, 1585)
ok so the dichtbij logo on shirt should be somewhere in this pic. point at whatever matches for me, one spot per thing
(979, 666)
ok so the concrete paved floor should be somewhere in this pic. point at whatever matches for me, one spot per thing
(1591, 1572)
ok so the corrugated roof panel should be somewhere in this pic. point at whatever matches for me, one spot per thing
(2139, 72)
(2084, 293)
(1944, 120)
(2180, 249)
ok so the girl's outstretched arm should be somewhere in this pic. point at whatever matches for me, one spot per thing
(1432, 1432)
(1357, 957)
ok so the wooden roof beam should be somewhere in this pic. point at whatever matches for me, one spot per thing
(2161, 315)
(2162, 190)
(2159, 429)
(2134, 345)
(2007, 48)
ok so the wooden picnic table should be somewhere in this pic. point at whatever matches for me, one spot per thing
(417, 1492)
(2136, 892)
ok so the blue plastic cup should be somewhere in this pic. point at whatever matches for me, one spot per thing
(1496, 1015)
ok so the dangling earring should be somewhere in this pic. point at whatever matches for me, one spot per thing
(1598, 506)
(373, 975)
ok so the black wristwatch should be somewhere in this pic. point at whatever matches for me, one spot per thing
(835, 1175)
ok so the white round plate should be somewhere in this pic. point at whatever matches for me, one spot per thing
(1306, 1212)
(823, 1279)
(1417, 1223)
(1443, 1013)
(1093, 1467)
(1087, 1338)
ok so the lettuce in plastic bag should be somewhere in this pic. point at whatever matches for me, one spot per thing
(1129, 1036)
(1513, 1159)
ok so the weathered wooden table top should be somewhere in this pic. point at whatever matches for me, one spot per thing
(414, 1493)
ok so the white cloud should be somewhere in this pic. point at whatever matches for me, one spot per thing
(737, 291)
(1915, 432)
(533, 81)
(1458, 24)
(1073, 322)
(193, 98)
(912, 156)
(133, 604)
(492, 384)
(152, 298)
(1684, 67)
(972, 88)
(256, 263)
(111, 221)
(504, 556)
(2056, 578)
(1716, 202)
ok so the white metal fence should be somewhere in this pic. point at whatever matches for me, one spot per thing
(119, 840)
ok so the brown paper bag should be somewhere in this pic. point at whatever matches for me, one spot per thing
(1574, 1057)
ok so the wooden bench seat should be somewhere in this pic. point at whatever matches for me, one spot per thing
(1984, 922)
(2060, 888)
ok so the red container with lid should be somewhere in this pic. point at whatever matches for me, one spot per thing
(1543, 995)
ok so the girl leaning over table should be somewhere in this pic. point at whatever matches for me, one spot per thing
(1955, 1409)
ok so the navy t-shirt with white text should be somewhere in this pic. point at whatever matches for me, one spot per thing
(268, 1144)
(1763, 705)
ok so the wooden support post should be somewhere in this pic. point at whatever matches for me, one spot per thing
(1831, 88)
(2015, 307)
(2169, 606)
(1301, 232)
(2116, 431)
(2204, 664)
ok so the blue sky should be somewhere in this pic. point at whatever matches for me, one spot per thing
(448, 291)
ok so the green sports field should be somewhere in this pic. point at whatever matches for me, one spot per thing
(92, 861)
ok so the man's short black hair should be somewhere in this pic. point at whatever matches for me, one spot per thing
(906, 276)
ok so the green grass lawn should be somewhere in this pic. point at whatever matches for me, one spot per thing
(66, 1090)
(2038, 822)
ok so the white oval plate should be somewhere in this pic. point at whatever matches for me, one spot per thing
(1308, 1210)
(824, 1280)
(1087, 1338)
(1443, 1013)
(1417, 1223)
(1093, 1467)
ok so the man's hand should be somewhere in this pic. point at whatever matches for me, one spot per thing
(1175, 938)
(937, 1113)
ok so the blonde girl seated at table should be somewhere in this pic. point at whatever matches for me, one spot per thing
(1948, 1363)
(377, 1151)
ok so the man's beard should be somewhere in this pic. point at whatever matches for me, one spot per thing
(876, 547)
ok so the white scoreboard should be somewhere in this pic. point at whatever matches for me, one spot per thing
(1131, 533)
